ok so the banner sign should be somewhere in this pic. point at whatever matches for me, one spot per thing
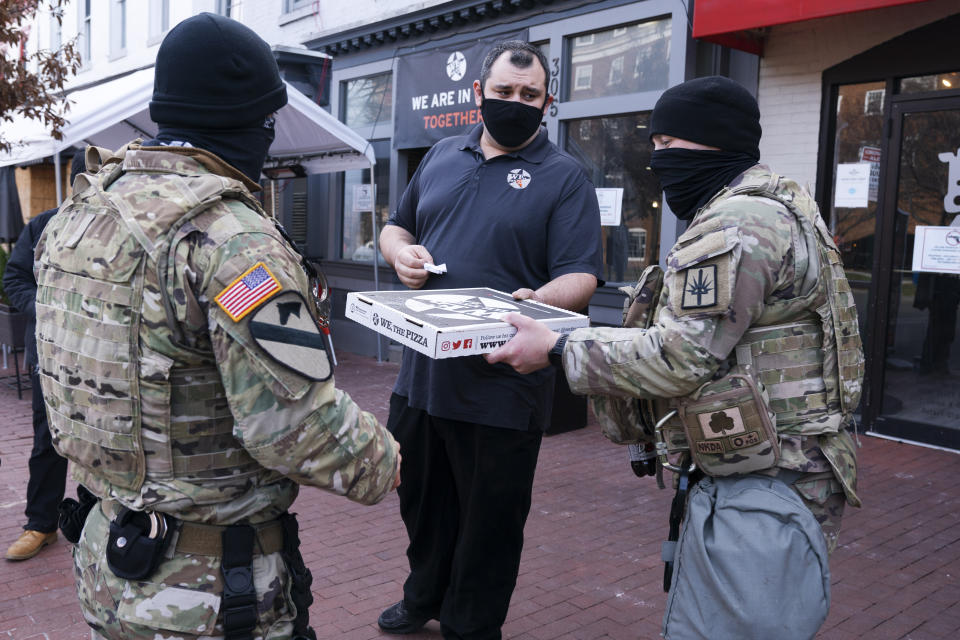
(434, 91)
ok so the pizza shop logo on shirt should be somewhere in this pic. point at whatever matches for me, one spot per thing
(518, 178)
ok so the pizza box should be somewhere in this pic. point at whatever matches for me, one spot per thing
(449, 323)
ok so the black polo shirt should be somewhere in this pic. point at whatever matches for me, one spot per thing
(517, 220)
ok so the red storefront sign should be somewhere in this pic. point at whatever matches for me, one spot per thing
(732, 22)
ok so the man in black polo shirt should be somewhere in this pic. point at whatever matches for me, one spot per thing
(502, 207)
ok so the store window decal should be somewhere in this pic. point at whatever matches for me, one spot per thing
(952, 159)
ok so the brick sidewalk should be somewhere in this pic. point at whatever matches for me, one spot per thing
(591, 566)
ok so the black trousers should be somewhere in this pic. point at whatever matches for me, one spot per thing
(464, 499)
(48, 471)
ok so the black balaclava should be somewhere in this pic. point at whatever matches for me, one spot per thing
(216, 84)
(244, 148)
(713, 111)
(510, 123)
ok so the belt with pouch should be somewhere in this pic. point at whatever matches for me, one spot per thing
(206, 539)
(139, 540)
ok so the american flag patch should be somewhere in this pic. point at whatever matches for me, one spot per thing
(247, 292)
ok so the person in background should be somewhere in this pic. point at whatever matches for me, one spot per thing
(47, 469)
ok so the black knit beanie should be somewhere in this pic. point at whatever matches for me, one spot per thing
(714, 111)
(213, 72)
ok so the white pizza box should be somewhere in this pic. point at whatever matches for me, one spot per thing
(449, 323)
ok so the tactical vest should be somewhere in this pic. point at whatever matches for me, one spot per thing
(805, 350)
(812, 369)
(128, 402)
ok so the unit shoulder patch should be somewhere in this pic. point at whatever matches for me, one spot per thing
(287, 332)
(705, 288)
(249, 291)
(699, 287)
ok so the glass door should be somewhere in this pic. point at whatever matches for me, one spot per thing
(920, 381)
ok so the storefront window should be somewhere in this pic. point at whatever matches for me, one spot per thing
(857, 146)
(544, 47)
(921, 357)
(358, 240)
(369, 100)
(934, 82)
(621, 60)
(615, 151)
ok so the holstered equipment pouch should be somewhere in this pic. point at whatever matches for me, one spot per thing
(300, 578)
(239, 594)
(729, 426)
(137, 543)
(73, 514)
(677, 509)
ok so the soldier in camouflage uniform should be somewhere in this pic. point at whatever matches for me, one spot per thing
(754, 286)
(184, 365)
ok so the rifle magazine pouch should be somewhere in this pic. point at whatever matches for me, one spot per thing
(730, 427)
(751, 563)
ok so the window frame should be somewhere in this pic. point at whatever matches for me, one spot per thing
(289, 6)
(616, 64)
(84, 29)
(158, 21)
(342, 105)
(382, 129)
(641, 242)
(587, 77)
(118, 29)
(560, 35)
(342, 213)
(56, 32)
(887, 62)
(230, 9)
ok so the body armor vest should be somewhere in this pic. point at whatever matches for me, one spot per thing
(812, 369)
(129, 403)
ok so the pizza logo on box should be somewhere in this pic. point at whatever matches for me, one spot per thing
(459, 307)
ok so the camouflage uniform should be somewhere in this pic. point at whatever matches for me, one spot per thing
(764, 258)
(164, 402)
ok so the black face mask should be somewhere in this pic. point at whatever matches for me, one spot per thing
(510, 123)
(245, 148)
(690, 177)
